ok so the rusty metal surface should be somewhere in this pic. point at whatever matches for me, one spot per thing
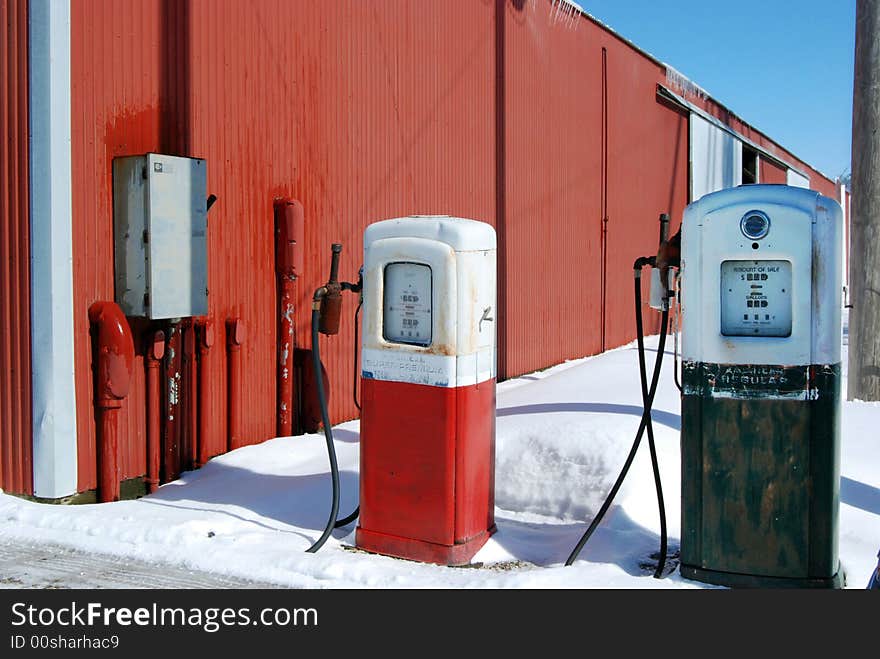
(761, 469)
(748, 381)
(16, 455)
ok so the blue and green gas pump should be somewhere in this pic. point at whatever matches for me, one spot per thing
(761, 379)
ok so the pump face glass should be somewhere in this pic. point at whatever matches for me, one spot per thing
(755, 225)
(756, 298)
(407, 315)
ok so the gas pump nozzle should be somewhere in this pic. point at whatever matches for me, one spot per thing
(669, 251)
(326, 310)
(668, 256)
(328, 298)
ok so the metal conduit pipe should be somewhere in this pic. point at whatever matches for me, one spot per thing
(206, 341)
(189, 394)
(235, 336)
(172, 425)
(289, 232)
(153, 355)
(113, 361)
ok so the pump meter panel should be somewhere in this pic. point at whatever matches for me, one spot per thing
(756, 298)
(407, 318)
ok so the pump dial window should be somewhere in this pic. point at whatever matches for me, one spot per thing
(407, 316)
(756, 298)
(755, 225)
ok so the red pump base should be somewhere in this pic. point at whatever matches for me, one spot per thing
(419, 550)
(427, 470)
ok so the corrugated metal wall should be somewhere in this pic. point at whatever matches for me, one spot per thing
(585, 140)
(771, 172)
(648, 174)
(362, 111)
(514, 112)
(821, 184)
(550, 153)
(16, 455)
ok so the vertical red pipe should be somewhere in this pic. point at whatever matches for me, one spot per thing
(603, 294)
(108, 452)
(289, 234)
(113, 361)
(171, 451)
(154, 353)
(235, 335)
(189, 394)
(206, 340)
(286, 349)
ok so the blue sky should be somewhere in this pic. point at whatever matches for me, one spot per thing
(784, 66)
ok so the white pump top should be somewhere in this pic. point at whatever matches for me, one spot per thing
(429, 301)
(460, 234)
(761, 277)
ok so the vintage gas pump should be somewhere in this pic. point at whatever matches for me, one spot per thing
(761, 337)
(428, 389)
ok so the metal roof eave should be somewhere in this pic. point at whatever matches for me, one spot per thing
(669, 96)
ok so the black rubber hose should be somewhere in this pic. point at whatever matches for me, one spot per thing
(357, 511)
(643, 373)
(354, 384)
(328, 436)
(646, 415)
(347, 520)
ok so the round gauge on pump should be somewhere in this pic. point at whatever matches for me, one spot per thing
(755, 225)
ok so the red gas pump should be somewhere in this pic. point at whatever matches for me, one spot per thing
(428, 389)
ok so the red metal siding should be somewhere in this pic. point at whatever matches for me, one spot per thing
(557, 176)
(114, 59)
(772, 173)
(818, 181)
(552, 167)
(824, 185)
(648, 172)
(16, 455)
(363, 111)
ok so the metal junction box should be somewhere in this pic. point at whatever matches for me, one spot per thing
(160, 235)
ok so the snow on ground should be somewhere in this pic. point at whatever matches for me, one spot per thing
(563, 434)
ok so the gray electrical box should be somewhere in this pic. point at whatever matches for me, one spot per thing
(160, 235)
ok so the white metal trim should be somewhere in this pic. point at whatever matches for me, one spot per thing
(671, 96)
(797, 180)
(51, 212)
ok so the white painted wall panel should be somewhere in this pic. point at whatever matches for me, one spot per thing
(716, 158)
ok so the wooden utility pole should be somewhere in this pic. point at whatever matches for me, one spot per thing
(863, 382)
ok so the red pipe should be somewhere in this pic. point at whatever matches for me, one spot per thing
(154, 353)
(235, 336)
(289, 234)
(286, 349)
(172, 404)
(189, 393)
(206, 340)
(114, 358)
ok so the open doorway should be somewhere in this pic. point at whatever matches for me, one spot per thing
(749, 165)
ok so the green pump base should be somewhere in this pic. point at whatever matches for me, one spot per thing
(735, 580)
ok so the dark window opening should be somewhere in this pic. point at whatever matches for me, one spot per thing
(749, 165)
